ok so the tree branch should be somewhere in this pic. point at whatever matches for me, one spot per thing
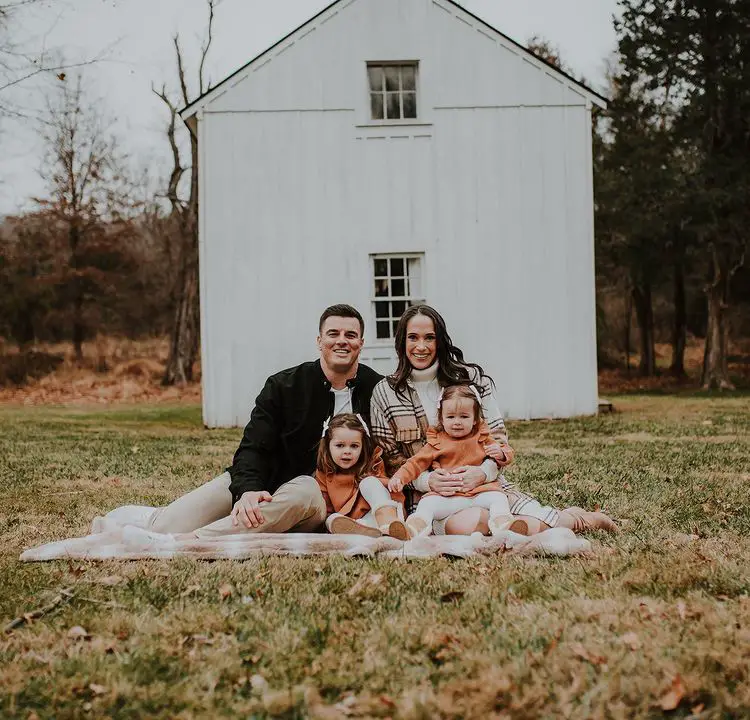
(205, 48)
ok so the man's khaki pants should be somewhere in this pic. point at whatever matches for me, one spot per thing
(297, 506)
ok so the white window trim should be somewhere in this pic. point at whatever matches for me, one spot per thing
(413, 299)
(366, 119)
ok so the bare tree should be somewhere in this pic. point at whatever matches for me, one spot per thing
(185, 334)
(88, 197)
(21, 61)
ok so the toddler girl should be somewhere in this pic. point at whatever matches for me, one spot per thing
(461, 437)
(352, 479)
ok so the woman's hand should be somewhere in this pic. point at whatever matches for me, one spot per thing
(445, 483)
(496, 453)
(470, 477)
(395, 484)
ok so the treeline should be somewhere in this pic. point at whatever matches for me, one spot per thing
(672, 197)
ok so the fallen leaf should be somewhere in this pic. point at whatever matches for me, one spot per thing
(587, 655)
(681, 610)
(77, 633)
(259, 684)
(452, 596)
(97, 689)
(225, 591)
(631, 640)
(202, 639)
(110, 580)
(673, 697)
(387, 701)
(364, 583)
(697, 708)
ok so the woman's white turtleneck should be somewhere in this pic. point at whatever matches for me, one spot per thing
(426, 384)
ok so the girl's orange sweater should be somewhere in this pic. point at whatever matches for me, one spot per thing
(443, 451)
(341, 490)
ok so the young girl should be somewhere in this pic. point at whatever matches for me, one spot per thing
(352, 479)
(461, 438)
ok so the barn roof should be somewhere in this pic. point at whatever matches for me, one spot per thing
(191, 109)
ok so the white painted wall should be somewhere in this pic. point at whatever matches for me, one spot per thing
(493, 184)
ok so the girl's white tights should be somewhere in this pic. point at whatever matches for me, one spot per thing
(377, 496)
(438, 507)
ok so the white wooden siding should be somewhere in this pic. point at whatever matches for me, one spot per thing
(493, 185)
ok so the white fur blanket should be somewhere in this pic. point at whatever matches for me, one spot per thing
(114, 544)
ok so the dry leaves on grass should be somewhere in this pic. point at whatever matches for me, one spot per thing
(631, 640)
(78, 633)
(673, 697)
(365, 585)
(584, 653)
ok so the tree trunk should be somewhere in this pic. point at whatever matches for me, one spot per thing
(645, 317)
(715, 356)
(74, 238)
(628, 323)
(679, 329)
(185, 337)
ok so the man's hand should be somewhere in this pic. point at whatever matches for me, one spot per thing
(247, 509)
(470, 477)
(444, 483)
(395, 485)
(495, 452)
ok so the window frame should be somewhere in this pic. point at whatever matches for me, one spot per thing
(410, 298)
(369, 119)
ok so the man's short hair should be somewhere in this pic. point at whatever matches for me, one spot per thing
(342, 311)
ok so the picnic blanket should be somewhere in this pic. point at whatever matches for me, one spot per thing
(115, 544)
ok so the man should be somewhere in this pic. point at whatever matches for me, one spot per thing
(269, 487)
(276, 458)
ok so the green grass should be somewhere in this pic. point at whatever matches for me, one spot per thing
(602, 636)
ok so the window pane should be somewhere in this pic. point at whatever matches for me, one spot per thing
(376, 106)
(395, 325)
(398, 307)
(415, 277)
(375, 74)
(381, 310)
(410, 105)
(391, 77)
(381, 288)
(393, 105)
(398, 288)
(383, 330)
(408, 77)
(397, 267)
(381, 267)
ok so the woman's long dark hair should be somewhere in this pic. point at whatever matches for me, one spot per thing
(452, 368)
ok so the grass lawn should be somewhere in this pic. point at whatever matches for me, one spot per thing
(656, 622)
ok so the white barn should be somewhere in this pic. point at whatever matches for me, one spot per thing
(388, 152)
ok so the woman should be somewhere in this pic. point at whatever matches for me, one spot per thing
(405, 404)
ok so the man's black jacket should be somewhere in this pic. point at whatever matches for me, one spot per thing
(281, 440)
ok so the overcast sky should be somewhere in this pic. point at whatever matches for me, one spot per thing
(136, 37)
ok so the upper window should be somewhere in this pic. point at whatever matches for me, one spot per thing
(393, 90)
(398, 285)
